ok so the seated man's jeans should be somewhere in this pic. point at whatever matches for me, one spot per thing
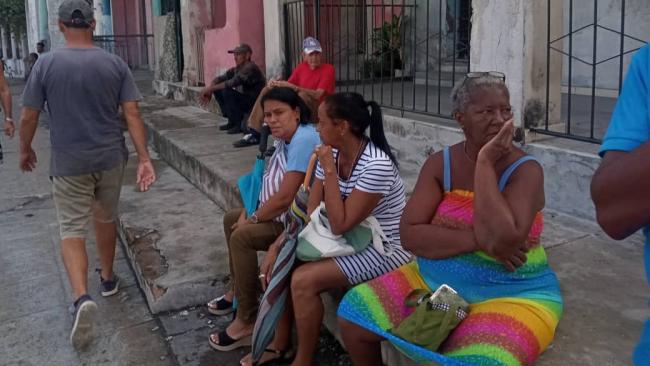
(234, 105)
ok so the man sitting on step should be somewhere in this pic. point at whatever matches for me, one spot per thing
(236, 90)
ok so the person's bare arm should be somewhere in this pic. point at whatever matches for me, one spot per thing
(315, 195)
(28, 125)
(5, 98)
(282, 199)
(316, 94)
(342, 216)
(502, 220)
(620, 191)
(419, 235)
(146, 174)
(216, 84)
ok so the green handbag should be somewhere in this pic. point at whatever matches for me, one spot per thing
(435, 316)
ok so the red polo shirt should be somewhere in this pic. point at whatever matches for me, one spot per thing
(321, 77)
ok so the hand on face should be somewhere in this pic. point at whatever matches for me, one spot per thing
(499, 146)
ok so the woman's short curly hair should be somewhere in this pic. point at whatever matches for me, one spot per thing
(461, 95)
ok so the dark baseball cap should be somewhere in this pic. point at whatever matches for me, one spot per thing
(241, 48)
(76, 11)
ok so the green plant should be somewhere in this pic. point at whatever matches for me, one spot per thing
(386, 45)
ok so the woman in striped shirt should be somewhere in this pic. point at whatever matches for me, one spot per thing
(356, 177)
(287, 116)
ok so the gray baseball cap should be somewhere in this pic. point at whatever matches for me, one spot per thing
(69, 7)
(311, 44)
(241, 48)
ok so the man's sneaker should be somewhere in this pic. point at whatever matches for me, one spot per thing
(109, 287)
(82, 323)
(248, 140)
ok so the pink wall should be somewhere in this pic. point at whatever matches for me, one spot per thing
(218, 13)
(127, 20)
(149, 17)
(126, 17)
(244, 23)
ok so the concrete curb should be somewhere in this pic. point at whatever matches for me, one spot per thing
(213, 185)
(173, 240)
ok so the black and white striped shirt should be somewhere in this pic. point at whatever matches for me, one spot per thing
(376, 173)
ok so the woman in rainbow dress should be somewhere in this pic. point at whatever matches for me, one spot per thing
(474, 223)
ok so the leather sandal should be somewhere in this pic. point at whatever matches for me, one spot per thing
(225, 343)
(280, 356)
(220, 306)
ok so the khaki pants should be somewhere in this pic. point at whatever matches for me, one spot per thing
(80, 197)
(256, 119)
(243, 245)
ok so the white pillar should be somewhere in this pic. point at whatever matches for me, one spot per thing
(17, 58)
(14, 46)
(24, 45)
(510, 36)
(497, 44)
(98, 10)
(274, 38)
(3, 35)
(31, 17)
(56, 37)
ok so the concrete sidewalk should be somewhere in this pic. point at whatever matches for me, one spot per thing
(602, 280)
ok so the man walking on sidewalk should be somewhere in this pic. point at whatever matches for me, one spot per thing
(84, 87)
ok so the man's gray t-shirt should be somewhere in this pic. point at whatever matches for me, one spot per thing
(83, 88)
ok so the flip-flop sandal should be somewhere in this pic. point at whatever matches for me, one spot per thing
(227, 343)
(220, 306)
(280, 356)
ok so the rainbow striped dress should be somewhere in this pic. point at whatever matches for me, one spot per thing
(512, 317)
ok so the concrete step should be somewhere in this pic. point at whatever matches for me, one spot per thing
(173, 238)
(187, 138)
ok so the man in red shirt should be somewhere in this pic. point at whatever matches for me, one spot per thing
(312, 79)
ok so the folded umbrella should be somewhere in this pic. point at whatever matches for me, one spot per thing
(272, 304)
(250, 184)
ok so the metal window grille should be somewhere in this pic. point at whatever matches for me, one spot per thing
(406, 55)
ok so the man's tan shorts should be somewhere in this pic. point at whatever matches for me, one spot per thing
(80, 197)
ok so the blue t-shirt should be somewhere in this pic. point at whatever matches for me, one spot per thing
(629, 129)
(301, 147)
(630, 124)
